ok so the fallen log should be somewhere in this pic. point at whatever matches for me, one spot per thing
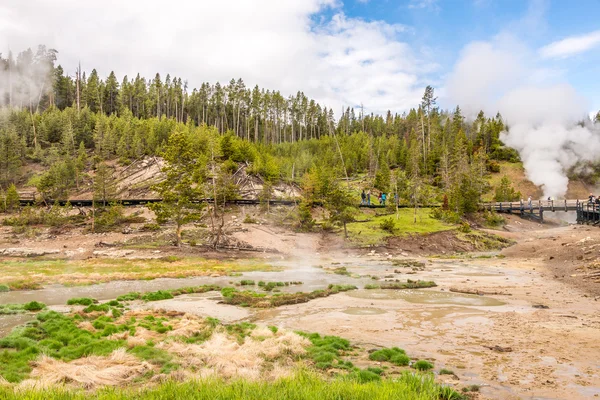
(104, 244)
(478, 292)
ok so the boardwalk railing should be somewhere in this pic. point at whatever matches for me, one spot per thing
(586, 212)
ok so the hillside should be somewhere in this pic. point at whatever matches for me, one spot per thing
(516, 173)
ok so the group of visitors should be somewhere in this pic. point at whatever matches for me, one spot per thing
(382, 197)
(594, 200)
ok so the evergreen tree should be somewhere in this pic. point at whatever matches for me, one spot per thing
(184, 175)
(105, 189)
(341, 205)
(506, 192)
(11, 199)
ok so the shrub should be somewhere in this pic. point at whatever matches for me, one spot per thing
(493, 166)
(471, 388)
(444, 371)
(464, 227)
(492, 218)
(150, 227)
(4, 288)
(423, 365)
(34, 306)
(246, 282)
(388, 225)
(447, 216)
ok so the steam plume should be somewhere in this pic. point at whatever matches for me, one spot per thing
(544, 118)
(24, 81)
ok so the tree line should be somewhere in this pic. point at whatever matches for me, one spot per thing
(77, 122)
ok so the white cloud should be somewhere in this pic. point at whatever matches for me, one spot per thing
(424, 4)
(571, 46)
(283, 45)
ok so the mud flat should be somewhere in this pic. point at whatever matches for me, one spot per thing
(537, 338)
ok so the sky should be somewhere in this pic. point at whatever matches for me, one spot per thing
(378, 53)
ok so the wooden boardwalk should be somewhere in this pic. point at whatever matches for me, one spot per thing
(587, 213)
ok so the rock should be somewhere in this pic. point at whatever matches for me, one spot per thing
(26, 252)
(112, 253)
(215, 275)
(404, 254)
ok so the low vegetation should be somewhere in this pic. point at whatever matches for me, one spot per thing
(32, 306)
(302, 385)
(394, 355)
(91, 349)
(260, 300)
(376, 229)
(167, 294)
(409, 284)
(423, 365)
(30, 274)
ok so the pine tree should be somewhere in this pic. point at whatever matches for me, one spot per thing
(105, 189)
(184, 175)
(506, 192)
(11, 199)
(341, 205)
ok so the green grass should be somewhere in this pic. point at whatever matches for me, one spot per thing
(393, 355)
(20, 274)
(60, 337)
(445, 371)
(53, 334)
(304, 385)
(158, 295)
(370, 232)
(326, 352)
(10, 309)
(262, 300)
(409, 284)
(82, 301)
(157, 357)
(423, 365)
(167, 294)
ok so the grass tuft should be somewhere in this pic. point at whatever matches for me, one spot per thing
(82, 301)
(423, 365)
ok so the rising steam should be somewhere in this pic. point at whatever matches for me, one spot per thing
(547, 122)
(24, 81)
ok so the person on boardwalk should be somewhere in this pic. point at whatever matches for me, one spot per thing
(383, 198)
(369, 198)
(379, 198)
(529, 202)
(363, 198)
